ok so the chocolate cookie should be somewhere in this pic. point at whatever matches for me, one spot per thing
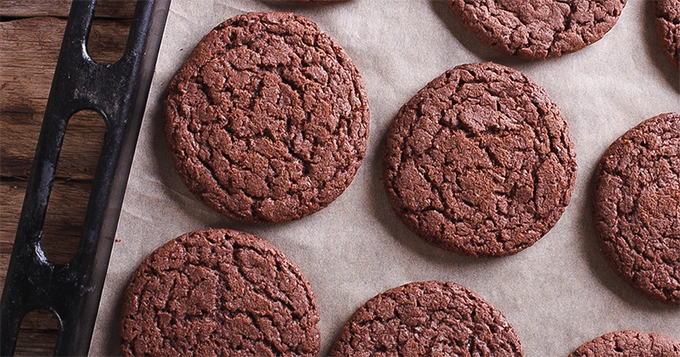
(427, 319)
(629, 344)
(538, 29)
(636, 207)
(480, 161)
(267, 120)
(219, 292)
(667, 17)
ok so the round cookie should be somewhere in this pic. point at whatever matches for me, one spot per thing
(480, 161)
(538, 29)
(636, 207)
(267, 120)
(667, 18)
(219, 292)
(427, 319)
(629, 343)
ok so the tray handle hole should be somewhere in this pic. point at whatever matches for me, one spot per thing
(39, 332)
(110, 29)
(67, 207)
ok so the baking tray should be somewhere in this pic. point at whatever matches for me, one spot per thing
(119, 93)
(557, 294)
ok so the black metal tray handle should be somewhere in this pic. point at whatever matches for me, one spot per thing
(118, 92)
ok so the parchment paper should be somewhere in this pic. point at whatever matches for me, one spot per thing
(558, 293)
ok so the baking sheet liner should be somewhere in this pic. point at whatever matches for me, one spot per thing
(558, 293)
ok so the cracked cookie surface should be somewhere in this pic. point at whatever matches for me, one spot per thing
(636, 207)
(628, 343)
(480, 161)
(267, 120)
(538, 29)
(219, 292)
(667, 18)
(427, 319)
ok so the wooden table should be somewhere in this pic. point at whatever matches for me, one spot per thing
(30, 38)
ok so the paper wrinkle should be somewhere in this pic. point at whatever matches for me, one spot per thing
(557, 294)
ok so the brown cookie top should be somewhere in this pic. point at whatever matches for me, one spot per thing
(427, 319)
(267, 120)
(667, 17)
(219, 292)
(538, 29)
(636, 207)
(480, 161)
(629, 343)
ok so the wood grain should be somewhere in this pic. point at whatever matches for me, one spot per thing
(117, 9)
(11, 198)
(30, 44)
(39, 333)
(27, 69)
(39, 329)
(63, 222)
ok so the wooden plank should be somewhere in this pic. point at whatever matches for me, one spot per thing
(30, 50)
(11, 198)
(32, 47)
(28, 55)
(79, 153)
(117, 9)
(40, 320)
(36, 342)
(63, 224)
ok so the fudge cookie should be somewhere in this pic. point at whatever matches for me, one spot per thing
(219, 292)
(629, 344)
(667, 17)
(538, 29)
(427, 319)
(267, 120)
(480, 161)
(636, 207)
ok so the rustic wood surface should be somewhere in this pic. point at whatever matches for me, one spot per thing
(117, 9)
(30, 37)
